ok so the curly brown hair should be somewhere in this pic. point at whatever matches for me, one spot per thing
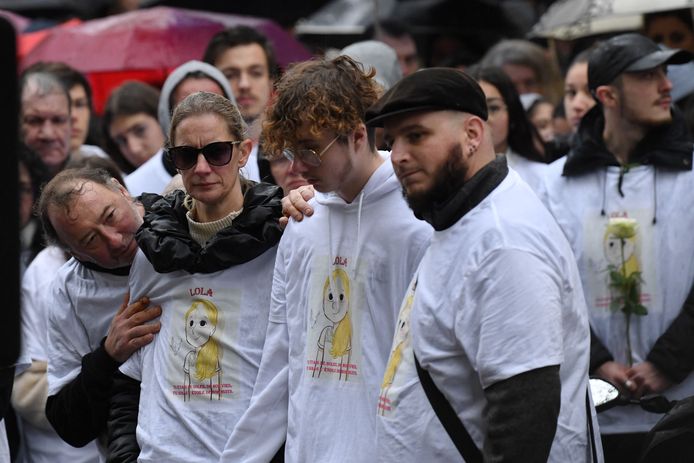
(325, 94)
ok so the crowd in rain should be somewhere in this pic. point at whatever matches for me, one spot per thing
(359, 258)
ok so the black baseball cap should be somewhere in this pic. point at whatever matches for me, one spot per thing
(628, 53)
(430, 89)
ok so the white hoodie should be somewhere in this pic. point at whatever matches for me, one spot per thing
(328, 338)
(661, 250)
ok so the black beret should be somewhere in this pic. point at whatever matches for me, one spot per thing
(430, 89)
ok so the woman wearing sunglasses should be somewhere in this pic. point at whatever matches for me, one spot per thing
(213, 246)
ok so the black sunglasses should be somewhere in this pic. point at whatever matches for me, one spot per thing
(216, 154)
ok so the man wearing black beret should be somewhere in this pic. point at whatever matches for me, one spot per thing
(492, 339)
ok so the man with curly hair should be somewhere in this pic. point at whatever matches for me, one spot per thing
(339, 276)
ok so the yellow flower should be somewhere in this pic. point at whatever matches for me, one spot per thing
(621, 227)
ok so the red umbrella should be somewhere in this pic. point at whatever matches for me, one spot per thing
(147, 44)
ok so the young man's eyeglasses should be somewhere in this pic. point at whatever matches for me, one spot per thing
(216, 154)
(308, 156)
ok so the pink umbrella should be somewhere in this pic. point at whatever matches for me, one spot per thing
(19, 22)
(147, 44)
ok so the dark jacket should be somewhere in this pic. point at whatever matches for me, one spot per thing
(666, 147)
(165, 240)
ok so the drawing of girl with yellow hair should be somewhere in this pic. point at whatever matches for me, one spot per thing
(620, 245)
(401, 342)
(339, 333)
(204, 359)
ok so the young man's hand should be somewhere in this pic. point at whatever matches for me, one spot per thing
(295, 204)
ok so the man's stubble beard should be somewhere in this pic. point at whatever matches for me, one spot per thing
(447, 181)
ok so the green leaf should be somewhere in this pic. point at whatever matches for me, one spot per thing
(640, 310)
(617, 279)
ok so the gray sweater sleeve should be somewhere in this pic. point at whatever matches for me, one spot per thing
(522, 416)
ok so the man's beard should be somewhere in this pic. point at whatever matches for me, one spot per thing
(447, 181)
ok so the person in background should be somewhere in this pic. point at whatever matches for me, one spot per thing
(512, 133)
(285, 176)
(528, 65)
(44, 118)
(623, 197)
(384, 61)
(81, 108)
(247, 59)
(193, 76)
(397, 36)
(541, 115)
(131, 130)
(32, 174)
(578, 99)
(672, 28)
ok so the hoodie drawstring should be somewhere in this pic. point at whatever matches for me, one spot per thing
(622, 171)
(604, 192)
(655, 195)
(358, 246)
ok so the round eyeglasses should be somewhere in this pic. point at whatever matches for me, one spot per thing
(307, 155)
(216, 154)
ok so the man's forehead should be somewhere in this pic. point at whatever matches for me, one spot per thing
(246, 55)
(49, 102)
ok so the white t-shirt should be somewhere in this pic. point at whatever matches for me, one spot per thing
(497, 294)
(39, 445)
(530, 171)
(339, 279)
(150, 177)
(198, 374)
(660, 251)
(84, 302)
(251, 171)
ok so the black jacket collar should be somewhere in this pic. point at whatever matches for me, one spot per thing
(471, 193)
(166, 241)
(666, 146)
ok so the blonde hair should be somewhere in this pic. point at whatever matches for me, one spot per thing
(395, 359)
(208, 103)
(342, 337)
(207, 362)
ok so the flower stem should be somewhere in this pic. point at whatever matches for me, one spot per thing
(630, 359)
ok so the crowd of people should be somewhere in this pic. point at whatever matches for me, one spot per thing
(354, 259)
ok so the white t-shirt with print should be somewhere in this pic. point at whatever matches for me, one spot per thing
(198, 374)
(661, 251)
(497, 294)
(339, 278)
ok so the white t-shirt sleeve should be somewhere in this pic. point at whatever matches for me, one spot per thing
(517, 315)
(268, 409)
(33, 316)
